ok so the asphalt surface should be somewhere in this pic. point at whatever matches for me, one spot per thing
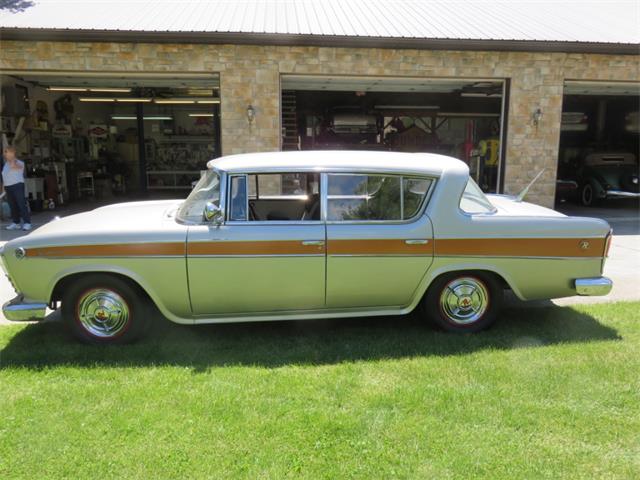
(622, 266)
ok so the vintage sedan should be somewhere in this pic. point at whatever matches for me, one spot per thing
(604, 176)
(305, 235)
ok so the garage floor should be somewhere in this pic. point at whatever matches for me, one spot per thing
(623, 265)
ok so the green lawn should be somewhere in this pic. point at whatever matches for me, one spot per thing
(547, 393)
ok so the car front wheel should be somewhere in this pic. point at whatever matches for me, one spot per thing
(103, 309)
(587, 195)
(464, 301)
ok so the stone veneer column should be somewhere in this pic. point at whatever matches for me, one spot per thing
(250, 80)
(531, 148)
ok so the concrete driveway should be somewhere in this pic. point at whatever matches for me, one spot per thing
(623, 265)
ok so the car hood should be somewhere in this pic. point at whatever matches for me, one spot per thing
(121, 222)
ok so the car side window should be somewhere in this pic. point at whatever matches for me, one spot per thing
(355, 197)
(238, 198)
(275, 197)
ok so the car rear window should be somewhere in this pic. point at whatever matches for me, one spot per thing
(473, 200)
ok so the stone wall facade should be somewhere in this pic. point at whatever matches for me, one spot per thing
(251, 75)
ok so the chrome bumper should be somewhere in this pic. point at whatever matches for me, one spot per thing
(594, 287)
(17, 310)
(622, 194)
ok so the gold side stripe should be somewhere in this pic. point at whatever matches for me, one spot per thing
(112, 250)
(496, 247)
(520, 247)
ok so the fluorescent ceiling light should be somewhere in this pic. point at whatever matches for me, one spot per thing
(201, 114)
(133, 117)
(109, 89)
(97, 99)
(133, 100)
(200, 92)
(67, 89)
(408, 107)
(89, 89)
(173, 101)
(185, 101)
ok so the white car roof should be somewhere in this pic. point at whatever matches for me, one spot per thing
(341, 161)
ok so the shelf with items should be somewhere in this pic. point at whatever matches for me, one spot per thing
(173, 139)
(171, 179)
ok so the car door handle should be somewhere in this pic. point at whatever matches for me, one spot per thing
(313, 242)
(417, 241)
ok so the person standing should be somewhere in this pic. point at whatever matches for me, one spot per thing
(13, 181)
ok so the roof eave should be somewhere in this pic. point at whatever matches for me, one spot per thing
(68, 35)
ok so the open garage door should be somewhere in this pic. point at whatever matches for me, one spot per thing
(463, 118)
(107, 137)
(599, 144)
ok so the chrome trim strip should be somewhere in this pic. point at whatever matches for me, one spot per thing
(519, 257)
(622, 194)
(259, 256)
(273, 222)
(596, 286)
(379, 255)
(324, 195)
(417, 241)
(88, 257)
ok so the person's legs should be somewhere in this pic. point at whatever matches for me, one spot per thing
(13, 204)
(22, 204)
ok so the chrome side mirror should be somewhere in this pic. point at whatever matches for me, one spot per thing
(213, 213)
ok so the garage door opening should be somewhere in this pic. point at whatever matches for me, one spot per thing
(599, 144)
(461, 118)
(110, 137)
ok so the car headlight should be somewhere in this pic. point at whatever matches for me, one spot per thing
(634, 180)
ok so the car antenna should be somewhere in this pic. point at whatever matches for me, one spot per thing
(524, 192)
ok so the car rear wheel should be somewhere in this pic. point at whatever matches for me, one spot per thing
(464, 301)
(103, 309)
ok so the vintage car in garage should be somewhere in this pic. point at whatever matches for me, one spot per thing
(608, 175)
(305, 235)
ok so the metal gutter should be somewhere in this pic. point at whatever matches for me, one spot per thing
(67, 35)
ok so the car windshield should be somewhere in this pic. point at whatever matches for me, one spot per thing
(206, 190)
(474, 200)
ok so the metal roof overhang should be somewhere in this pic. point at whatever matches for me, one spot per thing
(67, 35)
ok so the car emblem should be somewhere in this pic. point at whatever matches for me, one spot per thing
(20, 253)
(584, 245)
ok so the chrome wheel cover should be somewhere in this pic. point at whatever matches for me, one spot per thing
(103, 313)
(464, 300)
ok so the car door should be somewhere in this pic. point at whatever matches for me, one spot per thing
(379, 241)
(251, 265)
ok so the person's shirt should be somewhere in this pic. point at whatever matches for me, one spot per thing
(12, 176)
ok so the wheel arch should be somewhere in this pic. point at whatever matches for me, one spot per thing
(503, 278)
(66, 277)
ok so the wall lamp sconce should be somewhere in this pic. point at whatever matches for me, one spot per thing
(251, 114)
(536, 117)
